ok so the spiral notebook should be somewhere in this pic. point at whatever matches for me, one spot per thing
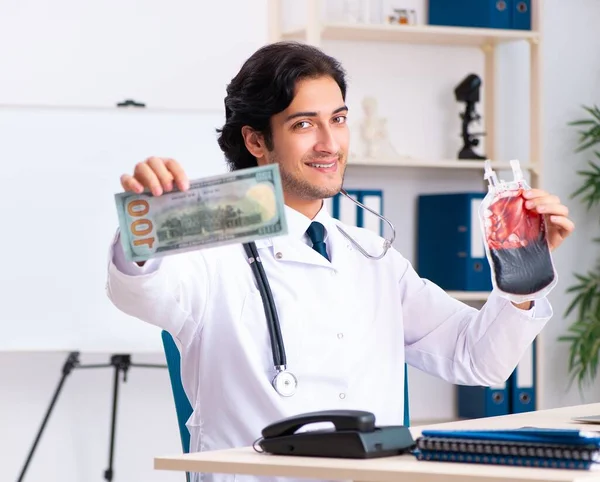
(527, 446)
(508, 460)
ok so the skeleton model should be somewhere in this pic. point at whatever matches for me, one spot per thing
(374, 132)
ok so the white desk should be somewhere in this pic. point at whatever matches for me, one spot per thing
(394, 469)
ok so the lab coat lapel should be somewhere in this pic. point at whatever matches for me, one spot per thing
(340, 248)
(292, 250)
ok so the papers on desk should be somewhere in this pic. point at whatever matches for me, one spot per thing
(587, 419)
(527, 446)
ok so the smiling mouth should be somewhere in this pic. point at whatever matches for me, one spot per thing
(322, 165)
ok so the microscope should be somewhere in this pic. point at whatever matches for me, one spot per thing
(468, 91)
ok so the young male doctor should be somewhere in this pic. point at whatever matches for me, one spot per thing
(349, 323)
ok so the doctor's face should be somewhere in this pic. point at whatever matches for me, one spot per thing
(310, 141)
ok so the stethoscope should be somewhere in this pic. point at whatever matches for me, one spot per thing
(285, 382)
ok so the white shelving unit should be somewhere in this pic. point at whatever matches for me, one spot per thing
(415, 34)
(437, 164)
(316, 31)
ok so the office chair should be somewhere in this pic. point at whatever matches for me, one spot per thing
(183, 407)
(406, 422)
(182, 404)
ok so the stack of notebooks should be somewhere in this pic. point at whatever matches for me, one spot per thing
(526, 447)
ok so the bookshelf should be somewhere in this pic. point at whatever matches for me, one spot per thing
(316, 31)
(436, 163)
(416, 34)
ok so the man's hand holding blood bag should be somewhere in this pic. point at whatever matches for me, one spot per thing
(521, 227)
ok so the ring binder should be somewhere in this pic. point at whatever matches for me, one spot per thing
(522, 383)
(349, 213)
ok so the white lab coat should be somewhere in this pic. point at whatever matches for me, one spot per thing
(348, 326)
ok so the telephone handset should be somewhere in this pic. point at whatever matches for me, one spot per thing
(354, 435)
(341, 419)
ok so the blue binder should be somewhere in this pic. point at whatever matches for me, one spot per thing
(522, 383)
(481, 402)
(348, 212)
(515, 396)
(521, 16)
(470, 13)
(503, 14)
(450, 249)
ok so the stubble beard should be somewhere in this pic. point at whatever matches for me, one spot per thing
(301, 188)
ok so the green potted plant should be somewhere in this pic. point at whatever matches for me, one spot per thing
(584, 333)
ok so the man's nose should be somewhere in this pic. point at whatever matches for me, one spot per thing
(327, 141)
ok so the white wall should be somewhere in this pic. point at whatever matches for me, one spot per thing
(414, 86)
(75, 444)
(571, 79)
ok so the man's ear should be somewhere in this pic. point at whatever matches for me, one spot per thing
(254, 142)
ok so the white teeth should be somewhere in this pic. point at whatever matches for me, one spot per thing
(322, 165)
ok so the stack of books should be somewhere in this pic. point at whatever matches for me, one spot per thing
(526, 447)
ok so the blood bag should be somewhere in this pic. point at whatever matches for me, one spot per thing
(515, 239)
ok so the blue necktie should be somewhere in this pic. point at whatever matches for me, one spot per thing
(316, 233)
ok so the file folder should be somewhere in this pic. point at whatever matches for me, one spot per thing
(373, 200)
(481, 402)
(450, 249)
(471, 13)
(517, 395)
(328, 205)
(522, 383)
(344, 209)
(350, 213)
(521, 14)
(503, 14)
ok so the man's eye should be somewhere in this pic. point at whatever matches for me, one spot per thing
(341, 119)
(302, 124)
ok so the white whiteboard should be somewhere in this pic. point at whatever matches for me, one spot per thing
(60, 171)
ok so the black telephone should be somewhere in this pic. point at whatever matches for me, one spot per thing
(354, 436)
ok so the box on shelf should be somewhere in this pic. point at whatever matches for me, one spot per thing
(502, 14)
(450, 249)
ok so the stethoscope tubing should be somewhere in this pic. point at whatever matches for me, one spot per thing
(279, 356)
(277, 345)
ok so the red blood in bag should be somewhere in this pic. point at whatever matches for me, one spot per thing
(520, 254)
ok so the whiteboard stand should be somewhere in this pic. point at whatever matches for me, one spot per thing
(120, 363)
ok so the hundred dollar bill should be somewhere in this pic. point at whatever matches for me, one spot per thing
(237, 207)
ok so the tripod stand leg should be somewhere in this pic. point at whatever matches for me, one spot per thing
(71, 362)
(121, 363)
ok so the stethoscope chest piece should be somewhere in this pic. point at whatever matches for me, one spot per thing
(285, 383)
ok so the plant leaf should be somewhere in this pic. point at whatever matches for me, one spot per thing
(583, 334)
